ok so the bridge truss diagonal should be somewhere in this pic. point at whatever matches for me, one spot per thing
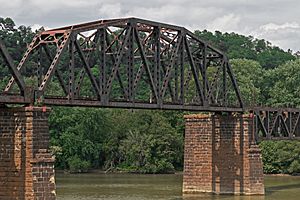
(130, 62)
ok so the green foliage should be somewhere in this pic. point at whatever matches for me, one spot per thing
(294, 167)
(78, 165)
(270, 157)
(281, 156)
(15, 38)
(282, 86)
(147, 143)
(249, 75)
(239, 46)
(139, 141)
(78, 132)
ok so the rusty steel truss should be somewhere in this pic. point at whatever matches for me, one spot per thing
(129, 62)
(276, 123)
(133, 63)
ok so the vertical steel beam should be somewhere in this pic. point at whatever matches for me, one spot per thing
(157, 63)
(203, 71)
(102, 65)
(182, 71)
(71, 68)
(224, 88)
(130, 64)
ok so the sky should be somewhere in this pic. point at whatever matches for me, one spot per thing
(277, 21)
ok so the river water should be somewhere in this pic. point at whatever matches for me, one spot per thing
(94, 186)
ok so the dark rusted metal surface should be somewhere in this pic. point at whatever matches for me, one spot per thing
(130, 63)
(276, 123)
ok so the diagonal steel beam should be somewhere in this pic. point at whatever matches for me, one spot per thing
(146, 66)
(57, 72)
(83, 71)
(56, 59)
(258, 118)
(168, 73)
(12, 68)
(88, 69)
(25, 57)
(194, 71)
(235, 85)
(296, 124)
(113, 58)
(117, 61)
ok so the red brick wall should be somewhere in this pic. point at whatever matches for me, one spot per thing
(218, 156)
(26, 166)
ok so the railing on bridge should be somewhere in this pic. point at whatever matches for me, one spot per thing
(130, 63)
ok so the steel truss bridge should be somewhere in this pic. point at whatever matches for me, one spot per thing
(132, 63)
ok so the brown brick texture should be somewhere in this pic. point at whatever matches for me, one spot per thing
(26, 166)
(219, 156)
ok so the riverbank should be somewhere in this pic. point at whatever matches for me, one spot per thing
(100, 171)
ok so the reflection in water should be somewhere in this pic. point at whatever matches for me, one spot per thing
(160, 187)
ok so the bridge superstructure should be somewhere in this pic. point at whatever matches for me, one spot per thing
(120, 60)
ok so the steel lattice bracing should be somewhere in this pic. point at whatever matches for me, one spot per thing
(276, 123)
(130, 63)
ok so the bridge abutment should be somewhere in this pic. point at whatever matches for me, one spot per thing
(219, 156)
(26, 166)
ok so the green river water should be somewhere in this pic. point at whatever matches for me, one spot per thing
(161, 187)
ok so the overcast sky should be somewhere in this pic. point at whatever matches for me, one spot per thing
(275, 20)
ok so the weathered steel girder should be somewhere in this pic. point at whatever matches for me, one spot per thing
(129, 62)
(276, 123)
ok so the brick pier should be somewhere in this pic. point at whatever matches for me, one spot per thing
(26, 166)
(219, 157)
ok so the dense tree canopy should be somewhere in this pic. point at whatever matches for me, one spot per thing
(249, 75)
(282, 85)
(240, 46)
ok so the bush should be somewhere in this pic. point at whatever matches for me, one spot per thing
(294, 167)
(77, 165)
(281, 157)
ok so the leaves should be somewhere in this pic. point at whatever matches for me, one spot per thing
(281, 156)
(282, 85)
(246, 47)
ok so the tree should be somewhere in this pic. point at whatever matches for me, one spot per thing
(281, 157)
(240, 46)
(249, 75)
(79, 133)
(145, 143)
(282, 85)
